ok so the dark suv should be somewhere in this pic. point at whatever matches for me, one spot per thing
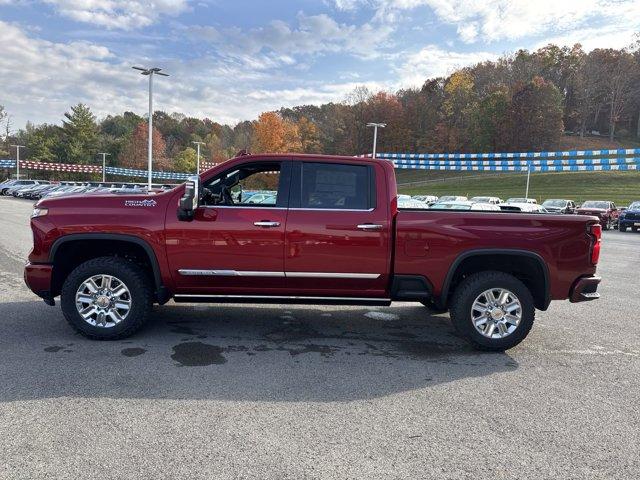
(630, 218)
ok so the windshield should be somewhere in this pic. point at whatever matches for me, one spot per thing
(554, 203)
(634, 206)
(594, 204)
(517, 200)
(481, 199)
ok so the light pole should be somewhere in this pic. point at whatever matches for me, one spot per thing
(104, 155)
(375, 135)
(526, 193)
(198, 164)
(18, 147)
(150, 72)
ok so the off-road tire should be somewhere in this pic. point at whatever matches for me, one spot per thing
(466, 293)
(136, 280)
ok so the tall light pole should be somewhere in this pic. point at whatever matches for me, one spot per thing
(375, 135)
(198, 164)
(18, 147)
(526, 193)
(150, 72)
(104, 164)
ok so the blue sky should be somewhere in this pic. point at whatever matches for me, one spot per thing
(232, 60)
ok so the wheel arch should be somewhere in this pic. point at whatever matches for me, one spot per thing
(512, 261)
(110, 241)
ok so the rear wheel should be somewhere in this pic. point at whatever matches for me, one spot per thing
(607, 225)
(107, 298)
(634, 229)
(623, 228)
(493, 310)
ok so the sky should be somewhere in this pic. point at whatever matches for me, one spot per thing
(231, 60)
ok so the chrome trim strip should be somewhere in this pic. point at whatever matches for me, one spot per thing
(226, 273)
(330, 275)
(243, 206)
(240, 273)
(333, 209)
(283, 297)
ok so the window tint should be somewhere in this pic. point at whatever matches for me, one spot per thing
(327, 185)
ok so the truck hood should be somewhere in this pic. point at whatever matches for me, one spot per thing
(96, 199)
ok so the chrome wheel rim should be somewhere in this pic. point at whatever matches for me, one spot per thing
(103, 301)
(496, 313)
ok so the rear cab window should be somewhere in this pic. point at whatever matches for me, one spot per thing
(333, 186)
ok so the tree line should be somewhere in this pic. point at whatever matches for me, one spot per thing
(520, 102)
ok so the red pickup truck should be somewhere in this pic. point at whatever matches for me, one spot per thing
(330, 233)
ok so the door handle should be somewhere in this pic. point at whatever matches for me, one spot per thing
(369, 226)
(266, 224)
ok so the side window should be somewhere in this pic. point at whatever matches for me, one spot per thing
(335, 186)
(255, 185)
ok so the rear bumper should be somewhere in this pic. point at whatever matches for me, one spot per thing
(38, 279)
(585, 289)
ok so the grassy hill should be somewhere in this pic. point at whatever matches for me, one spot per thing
(620, 187)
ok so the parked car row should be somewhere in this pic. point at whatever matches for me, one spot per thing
(37, 189)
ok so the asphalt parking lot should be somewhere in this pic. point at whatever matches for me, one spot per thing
(327, 392)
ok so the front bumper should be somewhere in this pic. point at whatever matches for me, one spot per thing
(38, 279)
(585, 289)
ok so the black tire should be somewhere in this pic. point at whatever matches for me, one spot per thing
(473, 286)
(622, 228)
(634, 229)
(606, 225)
(135, 279)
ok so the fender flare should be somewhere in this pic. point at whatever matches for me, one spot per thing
(496, 251)
(161, 291)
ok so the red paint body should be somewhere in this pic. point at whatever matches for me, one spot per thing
(424, 243)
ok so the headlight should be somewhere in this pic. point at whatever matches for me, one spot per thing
(39, 212)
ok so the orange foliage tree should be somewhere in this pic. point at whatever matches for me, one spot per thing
(134, 154)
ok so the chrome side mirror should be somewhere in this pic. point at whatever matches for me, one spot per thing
(189, 200)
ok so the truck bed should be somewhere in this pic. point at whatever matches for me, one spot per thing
(435, 241)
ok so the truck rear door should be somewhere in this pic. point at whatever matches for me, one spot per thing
(338, 232)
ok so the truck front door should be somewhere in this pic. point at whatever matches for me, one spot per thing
(235, 244)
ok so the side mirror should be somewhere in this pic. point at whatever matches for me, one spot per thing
(189, 201)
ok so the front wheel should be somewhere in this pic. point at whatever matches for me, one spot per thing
(622, 227)
(107, 298)
(493, 310)
(607, 225)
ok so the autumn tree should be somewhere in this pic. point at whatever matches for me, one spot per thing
(309, 136)
(535, 116)
(274, 134)
(134, 154)
(186, 161)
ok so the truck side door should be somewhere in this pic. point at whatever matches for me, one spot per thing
(234, 245)
(338, 235)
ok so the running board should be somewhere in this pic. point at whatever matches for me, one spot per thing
(188, 298)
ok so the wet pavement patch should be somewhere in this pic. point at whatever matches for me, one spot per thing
(53, 349)
(132, 352)
(198, 354)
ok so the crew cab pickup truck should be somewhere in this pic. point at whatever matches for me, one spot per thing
(331, 234)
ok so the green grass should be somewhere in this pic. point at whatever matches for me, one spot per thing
(619, 187)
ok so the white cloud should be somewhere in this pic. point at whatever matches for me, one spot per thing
(118, 14)
(313, 34)
(42, 79)
(432, 61)
(494, 20)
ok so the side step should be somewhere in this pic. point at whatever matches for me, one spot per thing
(188, 298)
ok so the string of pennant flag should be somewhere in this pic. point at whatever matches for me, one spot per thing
(127, 172)
(562, 161)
